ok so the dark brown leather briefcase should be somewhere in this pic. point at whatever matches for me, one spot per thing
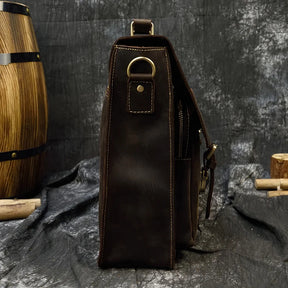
(150, 155)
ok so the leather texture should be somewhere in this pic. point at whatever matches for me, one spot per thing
(21, 154)
(138, 210)
(150, 157)
(16, 8)
(142, 26)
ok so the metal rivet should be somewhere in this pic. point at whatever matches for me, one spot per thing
(27, 10)
(140, 88)
(14, 155)
(38, 56)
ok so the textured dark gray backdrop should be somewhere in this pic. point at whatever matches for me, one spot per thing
(234, 54)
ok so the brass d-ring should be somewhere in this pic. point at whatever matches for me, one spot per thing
(139, 59)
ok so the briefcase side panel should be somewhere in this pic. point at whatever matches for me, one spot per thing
(137, 191)
(103, 152)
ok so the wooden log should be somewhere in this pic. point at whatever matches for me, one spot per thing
(277, 193)
(36, 201)
(266, 184)
(279, 166)
(284, 184)
(16, 211)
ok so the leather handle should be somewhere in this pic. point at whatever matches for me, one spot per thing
(142, 26)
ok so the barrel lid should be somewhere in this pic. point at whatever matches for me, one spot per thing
(14, 7)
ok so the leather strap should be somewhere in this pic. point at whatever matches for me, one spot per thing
(8, 58)
(209, 164)
(14, 8)
(142, 26)
(211, 187)
(21, 154)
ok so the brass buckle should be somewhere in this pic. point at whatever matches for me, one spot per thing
(203, 180)
(212, 151)
(132, 31)
(139, 59)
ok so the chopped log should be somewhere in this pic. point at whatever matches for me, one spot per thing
(279, 166)
(266, 184)
(16, 211)
(277, 193)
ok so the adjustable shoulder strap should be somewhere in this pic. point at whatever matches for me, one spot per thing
(209, 160)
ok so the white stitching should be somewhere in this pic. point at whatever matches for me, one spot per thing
(143, 49)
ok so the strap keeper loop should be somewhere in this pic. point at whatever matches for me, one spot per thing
(210, 152)
(141, 26)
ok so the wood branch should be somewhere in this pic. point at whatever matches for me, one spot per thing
(266, 184)
(277, 193)
(36, 201)
(16, 211)
(279, 166)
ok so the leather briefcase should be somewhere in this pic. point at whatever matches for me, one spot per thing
(150, 173)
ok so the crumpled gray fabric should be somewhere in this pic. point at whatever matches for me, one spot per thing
(245, 245)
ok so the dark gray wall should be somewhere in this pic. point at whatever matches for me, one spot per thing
(234, 54)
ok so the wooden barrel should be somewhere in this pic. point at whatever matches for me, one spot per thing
(23, 104)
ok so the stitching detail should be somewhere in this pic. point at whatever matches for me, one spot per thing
(151, 98)
(107, 157)
(143, 49)
(171, 163)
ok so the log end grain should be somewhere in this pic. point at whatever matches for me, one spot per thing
(279, 165)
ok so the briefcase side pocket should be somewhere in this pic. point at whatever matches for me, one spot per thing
(187, 175)
(183, 215)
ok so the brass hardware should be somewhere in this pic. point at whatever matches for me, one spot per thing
(140, 88)
(200, 131)
(27, 10)
(14, 155)
(139, 59)
(132, 31)
(38, 56)
(203, 180)
(214, 147)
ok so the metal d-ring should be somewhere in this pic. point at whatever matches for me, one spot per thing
(139, 59)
